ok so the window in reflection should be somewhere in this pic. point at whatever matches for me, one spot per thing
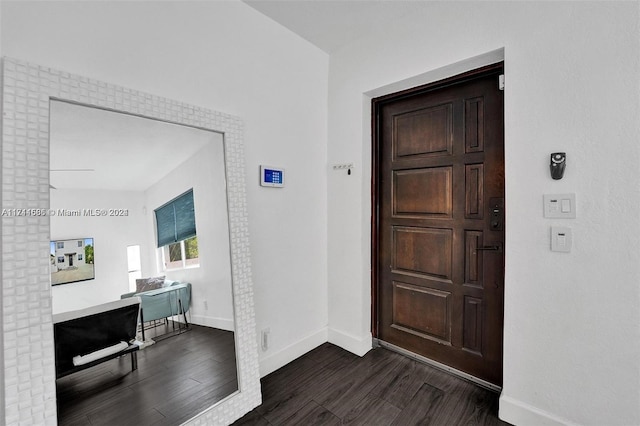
(134, 265)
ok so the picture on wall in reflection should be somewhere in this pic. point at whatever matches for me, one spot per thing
(72, 261)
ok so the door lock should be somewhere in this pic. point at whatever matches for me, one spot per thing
(496, 214)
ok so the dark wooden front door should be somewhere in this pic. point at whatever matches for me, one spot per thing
(439, 222)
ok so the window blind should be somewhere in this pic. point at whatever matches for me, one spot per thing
(176, 220)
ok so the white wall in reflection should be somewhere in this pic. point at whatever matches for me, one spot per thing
(128, 166)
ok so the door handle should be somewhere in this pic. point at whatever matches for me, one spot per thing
(496, 247)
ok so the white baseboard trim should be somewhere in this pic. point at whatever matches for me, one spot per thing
(353, 344)
(220, 323)
(519, 413)
(272, 362)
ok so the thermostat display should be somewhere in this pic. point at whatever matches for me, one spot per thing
(271, 176)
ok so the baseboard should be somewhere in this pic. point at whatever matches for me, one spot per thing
(519, 413)
(220, 323)
(272, 362)
(353, 344)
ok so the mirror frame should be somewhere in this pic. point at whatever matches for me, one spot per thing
(28, 346)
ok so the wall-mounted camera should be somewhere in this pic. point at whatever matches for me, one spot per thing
(558, 164)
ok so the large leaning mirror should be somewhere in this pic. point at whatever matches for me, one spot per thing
(93, 165)
(111, 175)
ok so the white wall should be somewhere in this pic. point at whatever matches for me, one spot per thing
(1, 274)
(227, 57)
(211, 281)
(111, 236)
(572, 321)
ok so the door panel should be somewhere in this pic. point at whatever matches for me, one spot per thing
(425, 132)
(473, 314)
(473, 258)
(435, 184)
(422, 251)
(409, 303)
(474, 190)
(438, 222)
(474, 124)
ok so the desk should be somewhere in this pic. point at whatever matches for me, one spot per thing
(92, 329)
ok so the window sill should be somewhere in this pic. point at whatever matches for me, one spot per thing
(181, 269)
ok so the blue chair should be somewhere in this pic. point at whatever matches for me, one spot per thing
(173, 298)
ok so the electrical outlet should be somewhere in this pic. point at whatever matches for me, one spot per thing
(264, 341)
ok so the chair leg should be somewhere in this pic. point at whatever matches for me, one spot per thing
(142, 324)
(134, 361)
(184, 314)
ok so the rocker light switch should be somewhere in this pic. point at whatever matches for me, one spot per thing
(560, 206)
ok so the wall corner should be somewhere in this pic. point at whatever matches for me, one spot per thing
(354, 344)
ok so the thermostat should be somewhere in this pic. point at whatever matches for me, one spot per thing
(271, 176)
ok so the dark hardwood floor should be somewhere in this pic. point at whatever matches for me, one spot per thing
(330, 386)
(177, 377)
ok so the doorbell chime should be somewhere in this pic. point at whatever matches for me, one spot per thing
(558, 164)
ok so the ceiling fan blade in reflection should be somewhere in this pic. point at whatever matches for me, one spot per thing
(72, 170)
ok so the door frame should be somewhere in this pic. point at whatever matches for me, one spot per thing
(376, 104)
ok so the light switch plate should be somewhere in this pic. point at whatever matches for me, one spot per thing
(559, 206)
(561, 239)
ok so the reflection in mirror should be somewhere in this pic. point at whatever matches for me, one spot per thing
(112, 178)
(27, 313)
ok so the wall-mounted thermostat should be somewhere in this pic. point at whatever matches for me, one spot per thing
(561, 239)
(271, 176)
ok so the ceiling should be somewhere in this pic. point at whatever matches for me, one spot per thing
(332, 24)
(97, 149)
(92, 148)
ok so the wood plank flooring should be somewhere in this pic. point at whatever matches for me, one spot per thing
(330, 386)
(177, 377)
